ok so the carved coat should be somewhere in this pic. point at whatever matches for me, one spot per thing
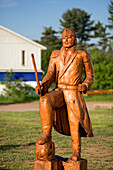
(66, 68)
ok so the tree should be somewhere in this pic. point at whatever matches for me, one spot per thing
(103, 66)
(101, 33)
(45, 59)
(110, 10)
(79, 21)
(49, 38)
(110, 19)
(52, 42)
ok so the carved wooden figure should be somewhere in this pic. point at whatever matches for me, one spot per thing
(64, 108)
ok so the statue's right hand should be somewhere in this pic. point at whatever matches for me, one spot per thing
(37, 89)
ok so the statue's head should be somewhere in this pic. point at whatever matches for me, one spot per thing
(69, 38)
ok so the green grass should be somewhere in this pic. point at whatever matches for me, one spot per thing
(25, 99)
(19, 132)
(101, 98)
(10, 100)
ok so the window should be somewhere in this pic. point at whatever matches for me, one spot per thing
(23, 58)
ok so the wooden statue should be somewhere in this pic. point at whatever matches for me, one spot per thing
(64, 108)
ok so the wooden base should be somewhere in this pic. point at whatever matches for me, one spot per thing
(60, 163)
(47, 165)
(78, 165)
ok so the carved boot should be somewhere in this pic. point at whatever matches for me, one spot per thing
(46, 136)
(76, 146)
(76, 156)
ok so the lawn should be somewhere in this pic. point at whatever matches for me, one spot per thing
(11, 100)
(19, 132)
(99, 98)
(25, 99)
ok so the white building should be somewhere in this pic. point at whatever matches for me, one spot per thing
(15, 54)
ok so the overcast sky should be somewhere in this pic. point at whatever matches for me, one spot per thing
(28, 17)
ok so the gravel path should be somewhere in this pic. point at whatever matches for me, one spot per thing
(35, 106)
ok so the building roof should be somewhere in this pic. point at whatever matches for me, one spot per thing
(24, 38)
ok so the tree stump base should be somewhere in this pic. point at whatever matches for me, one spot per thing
(45, 152)
(60, 163)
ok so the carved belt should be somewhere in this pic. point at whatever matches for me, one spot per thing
(68, 87)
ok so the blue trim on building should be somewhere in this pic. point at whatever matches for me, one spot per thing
(26, 76)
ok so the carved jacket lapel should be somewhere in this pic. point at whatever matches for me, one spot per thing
(66, 55)
(66, 58)
(62, 55)
(67, 65)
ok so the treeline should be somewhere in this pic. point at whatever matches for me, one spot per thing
(103, 67)
(86, 30)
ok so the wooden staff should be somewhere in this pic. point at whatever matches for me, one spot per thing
(36, 74)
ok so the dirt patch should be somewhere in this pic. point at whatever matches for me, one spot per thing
(27, 162)
(20, 107)
(103, 105)
(92, 150)
(34, 106)
(109, 138)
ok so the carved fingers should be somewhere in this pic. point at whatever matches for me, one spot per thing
(82, 88)
(37, 89)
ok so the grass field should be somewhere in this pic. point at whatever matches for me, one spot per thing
(19, 132)
(9, 100)
(99, 97)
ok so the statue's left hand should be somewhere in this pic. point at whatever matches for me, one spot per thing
(82, 88)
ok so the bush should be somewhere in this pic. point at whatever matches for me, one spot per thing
(16, 90)
(103, 67)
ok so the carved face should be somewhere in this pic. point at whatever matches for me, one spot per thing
(68, 41)
(68, 38)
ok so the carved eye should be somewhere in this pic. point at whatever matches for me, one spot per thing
(70, 39)
(63, 40)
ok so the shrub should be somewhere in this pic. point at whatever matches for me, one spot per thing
(16, 88)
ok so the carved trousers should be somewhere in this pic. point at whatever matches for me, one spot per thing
(56, 99)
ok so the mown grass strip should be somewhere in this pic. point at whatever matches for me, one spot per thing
(19, 132)
(25, 99)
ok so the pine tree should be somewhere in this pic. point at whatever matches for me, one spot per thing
(49, 38)
(110, 10)
(101, 33)
(80, 22)
(110, 19)
(52, 42)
